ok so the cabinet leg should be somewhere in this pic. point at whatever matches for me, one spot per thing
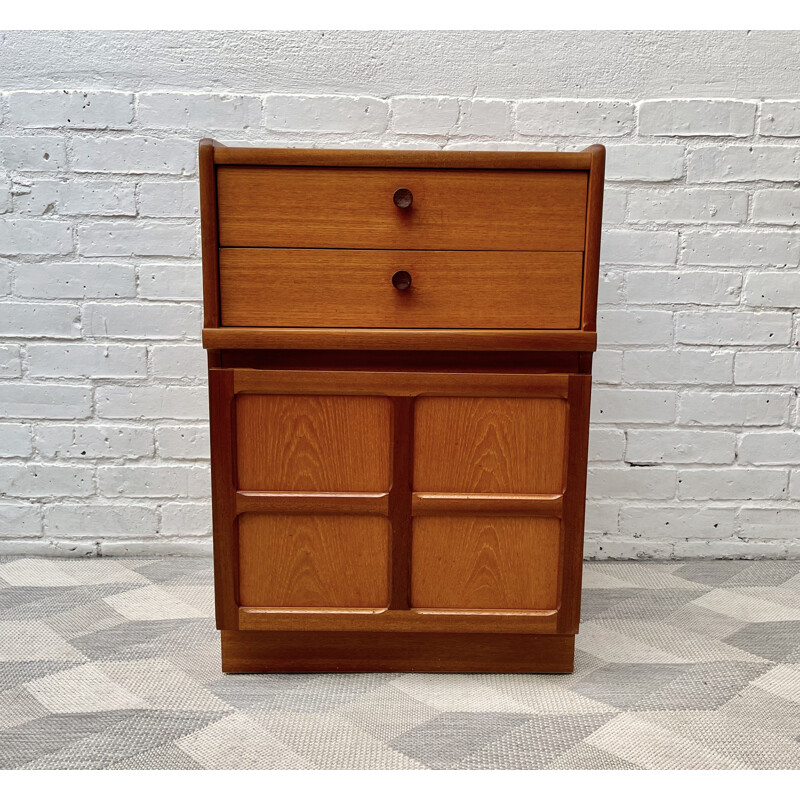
(264, 651)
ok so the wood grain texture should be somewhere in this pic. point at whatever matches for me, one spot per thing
(395, 652)
(594, 222)
(571, 567)
(411, 159)
(223, 497)
(398, 383)
(353, 208)
(313, 561)
(483, 444)
(313, 502)
(303, 443)
(397, 339)
(353, 288)
(209, 232)
(484, 562)
(493, 505)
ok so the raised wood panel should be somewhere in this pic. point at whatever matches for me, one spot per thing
(485, 562)
(489, 444)
(353, 208)
(353, 288)
(313, 561)
(313, 443)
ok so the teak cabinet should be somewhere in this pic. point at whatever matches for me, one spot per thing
(399, 350)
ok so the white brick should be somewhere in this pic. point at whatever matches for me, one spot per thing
(93, 519)
(770, 369)
(732, 327)
(748, 248)
(5, 279)
(169, 199)
(10, 365)
(171, 282)
(632, 405)
(687, 205)
(142, 320)
(186, 519)
(729, 549)
(79, 281)
(325, 114)
(15, 438)
(70, 109)
(158, 548)
(153, 481)
(481, 117)
(639, 247)
(45, 400)
(623, 326)
(152, 402)
(606, 444)
(644, 162)
(574, 117)
(427, 115)
(777, 206)
(98, 198)
(34, 237)
(601, 517)
(743, 163)
(46, 480)
(139, 238)
(769, 523)
(178, 361)
(654, 287)
(604, 548)
(498, 146)
(18, 520)
(615, 202)
(57, 320)
(86, 361)
(655, 483)
(610, 287)
(186, 441)
(680, 447)
(729, 408)
(677, 366)
(696, 118)
(49, 548)
(607, 366)
(36, 196)
(5, 193)
(773, 290)
(770, 448)
(92, 441)
(780, 118)
(33, 153)
(794, 485)
(732, 484)
(666, 522)
(202, 112)
(135, 154)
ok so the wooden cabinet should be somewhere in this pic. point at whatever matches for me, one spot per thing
(399, 373)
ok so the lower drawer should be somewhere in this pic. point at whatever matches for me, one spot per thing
(354, 288)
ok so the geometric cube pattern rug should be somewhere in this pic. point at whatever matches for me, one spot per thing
(114, 664)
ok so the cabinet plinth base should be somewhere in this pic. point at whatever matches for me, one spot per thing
(260, 651)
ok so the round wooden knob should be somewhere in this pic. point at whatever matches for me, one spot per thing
(401, 280)
(403, 198)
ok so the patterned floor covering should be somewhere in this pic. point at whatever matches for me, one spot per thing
(114, 664)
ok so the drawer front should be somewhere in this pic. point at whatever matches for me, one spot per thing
(514, 445)
(353, 288)
(308, 443)
(296, 560)
(485, 562)
(354, 208)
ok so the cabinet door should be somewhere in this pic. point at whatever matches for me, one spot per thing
(491, 481)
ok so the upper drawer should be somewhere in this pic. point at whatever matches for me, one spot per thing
(354, 208)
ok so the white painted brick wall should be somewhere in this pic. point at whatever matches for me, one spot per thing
(694, 447)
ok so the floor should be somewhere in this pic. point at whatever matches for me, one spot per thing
(114, 664)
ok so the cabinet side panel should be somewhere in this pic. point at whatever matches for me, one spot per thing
(594, 221)
(223, 497)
